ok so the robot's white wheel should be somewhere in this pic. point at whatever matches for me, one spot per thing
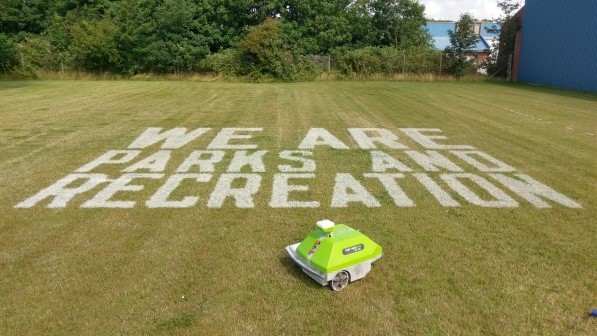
(340, 281)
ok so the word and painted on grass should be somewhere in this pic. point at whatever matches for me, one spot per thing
(371, 167)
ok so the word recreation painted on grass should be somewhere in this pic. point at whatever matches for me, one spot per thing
(434, 166)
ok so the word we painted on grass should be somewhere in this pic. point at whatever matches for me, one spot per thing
(164, 168)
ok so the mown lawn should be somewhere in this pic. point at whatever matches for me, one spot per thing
(220, 268)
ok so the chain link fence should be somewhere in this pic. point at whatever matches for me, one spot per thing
(391, 62)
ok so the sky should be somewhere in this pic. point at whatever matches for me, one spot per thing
(451, 9)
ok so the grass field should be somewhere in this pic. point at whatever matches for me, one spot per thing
(469, 270)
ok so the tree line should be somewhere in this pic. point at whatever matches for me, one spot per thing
(248, 38)
(171, 36)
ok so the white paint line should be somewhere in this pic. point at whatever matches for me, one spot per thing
(591, 134)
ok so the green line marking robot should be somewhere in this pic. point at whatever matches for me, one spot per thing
(335, 254)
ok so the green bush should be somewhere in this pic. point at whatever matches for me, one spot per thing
(225, 62)
(8, 54)
(93, 45)
(306, 69)
(459, 66)
(265, 55)
(37, 54)
(362, 61)
(386, 60)
(422, 60)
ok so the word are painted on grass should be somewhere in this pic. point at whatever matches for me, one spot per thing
(165, 169)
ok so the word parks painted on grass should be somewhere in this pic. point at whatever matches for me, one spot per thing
(164, 168)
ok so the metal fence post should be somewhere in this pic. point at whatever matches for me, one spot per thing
(509, 73)
(441, 57)
(404, 63)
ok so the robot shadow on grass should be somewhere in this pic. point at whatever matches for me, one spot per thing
(296, 272)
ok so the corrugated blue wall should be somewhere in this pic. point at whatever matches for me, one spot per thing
(559, 46)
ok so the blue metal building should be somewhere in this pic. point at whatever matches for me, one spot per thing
(441, 39)
(486, 26)
(559, 44)
(439, 33)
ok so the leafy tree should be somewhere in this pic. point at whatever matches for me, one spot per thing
(58, 35)
(265, 54)
(207, 26)
(319, 26)
(93, 45)
(360, 18)
(132, 17)
(497, 63)
(57, 32)
(174, 42)
(226, 21)
(385, 22)
(316, 26)
(8, 54)
(82, 9)
(461, 41)
(398, 23)
(131, 36)
(410, 32)
(19, 17)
